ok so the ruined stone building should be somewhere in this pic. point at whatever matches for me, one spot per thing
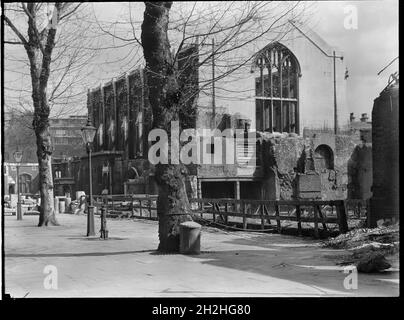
(288, 93)
(287, 87)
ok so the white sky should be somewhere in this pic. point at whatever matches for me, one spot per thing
(367, 50)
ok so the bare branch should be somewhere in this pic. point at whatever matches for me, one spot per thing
(70, 12)
(13, 42)
(133, 27)
(16, 31)
(31, 13)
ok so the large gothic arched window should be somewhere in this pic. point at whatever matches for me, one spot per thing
(276, 86)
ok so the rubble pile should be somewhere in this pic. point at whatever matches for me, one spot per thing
(370, 248)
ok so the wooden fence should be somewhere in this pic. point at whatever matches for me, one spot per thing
(317, 213)
(358, 209)
(301, 211)
(120, 205)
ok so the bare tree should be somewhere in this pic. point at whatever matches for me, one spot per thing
(226, 37)
(228, 34)
(74, 55)
(49, 85)
(164, 97)
(232, 30)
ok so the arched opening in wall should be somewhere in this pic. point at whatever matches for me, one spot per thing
(276, 86)
(323, 158)
(25, 183)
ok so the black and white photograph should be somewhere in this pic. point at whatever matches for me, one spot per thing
(208, 149)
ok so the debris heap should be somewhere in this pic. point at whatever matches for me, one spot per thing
(370, 248)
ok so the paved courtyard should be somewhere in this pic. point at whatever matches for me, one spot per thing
(231, 264)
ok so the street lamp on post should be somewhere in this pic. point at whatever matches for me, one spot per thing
(88, 133)
(17, 157)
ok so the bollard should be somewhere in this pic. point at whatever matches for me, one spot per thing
(67, 204)
(104, 230)
(56, 205)
(190, 238)
(62, 206)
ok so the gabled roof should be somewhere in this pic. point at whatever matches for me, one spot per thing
(314, 38)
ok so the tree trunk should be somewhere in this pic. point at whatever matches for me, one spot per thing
(44, 151)
(172, 205)
(164, 98)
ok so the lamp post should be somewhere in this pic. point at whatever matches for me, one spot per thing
(17, 157)
(88, 133)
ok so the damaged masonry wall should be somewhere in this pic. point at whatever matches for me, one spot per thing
(315, 167)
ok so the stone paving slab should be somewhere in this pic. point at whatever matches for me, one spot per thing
(127, 265)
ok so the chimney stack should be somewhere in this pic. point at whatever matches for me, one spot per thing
(364, 117)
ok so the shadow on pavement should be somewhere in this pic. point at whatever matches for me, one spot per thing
(300, 265)
(71, 254)
(96, 238)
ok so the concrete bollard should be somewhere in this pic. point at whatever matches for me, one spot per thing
(56, 203)
(62, 207)
(190, 238)
(67, 204)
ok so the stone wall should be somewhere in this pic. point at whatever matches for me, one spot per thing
(360, 172)
(285, 157)
(291, 167)
(282, 158)
(385, 140)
